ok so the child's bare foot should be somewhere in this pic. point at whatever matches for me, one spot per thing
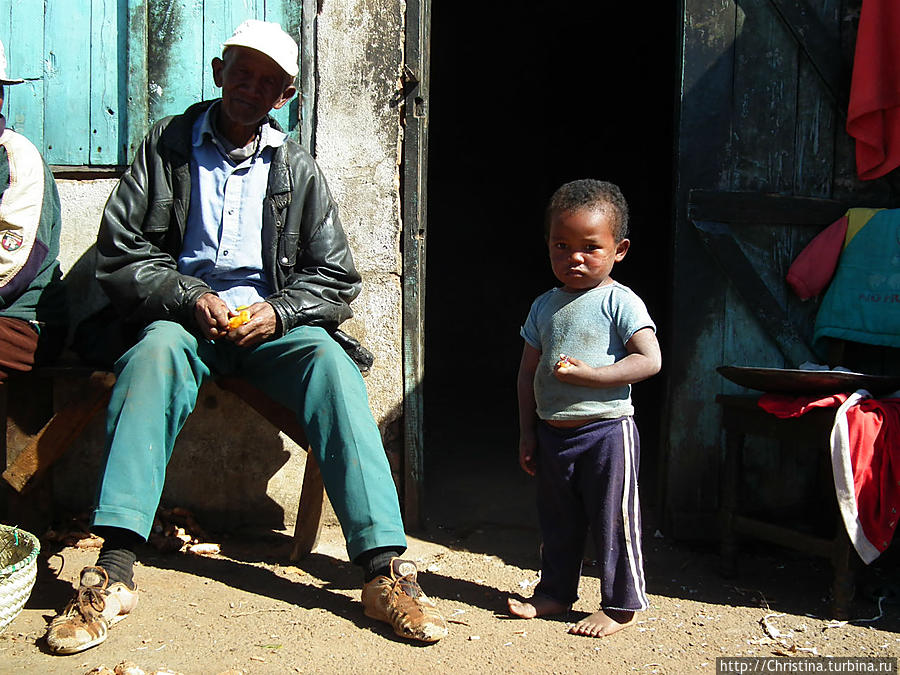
(539, 605)
(603, 623)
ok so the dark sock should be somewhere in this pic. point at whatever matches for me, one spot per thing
(377, 561)
(118, 556)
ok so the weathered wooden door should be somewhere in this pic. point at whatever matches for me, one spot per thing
(762, 110)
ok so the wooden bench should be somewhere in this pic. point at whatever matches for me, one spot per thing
(807, 434)
(40, 450)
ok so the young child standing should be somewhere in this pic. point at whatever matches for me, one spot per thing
(586, 343)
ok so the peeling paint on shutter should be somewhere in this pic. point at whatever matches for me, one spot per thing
(98, 72)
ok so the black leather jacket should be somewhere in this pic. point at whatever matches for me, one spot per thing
(305, 253)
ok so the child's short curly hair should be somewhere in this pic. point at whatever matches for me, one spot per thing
(589, 193)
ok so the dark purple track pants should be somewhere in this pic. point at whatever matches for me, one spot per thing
(588, 480)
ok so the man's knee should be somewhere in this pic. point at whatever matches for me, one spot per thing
(160, 342)
(332, 354)
(324, 353)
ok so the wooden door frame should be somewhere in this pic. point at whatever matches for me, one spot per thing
(413, 175)
(308, 48)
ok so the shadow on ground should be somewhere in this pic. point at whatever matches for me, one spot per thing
(480, 500)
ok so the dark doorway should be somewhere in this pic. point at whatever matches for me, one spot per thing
(522, 100)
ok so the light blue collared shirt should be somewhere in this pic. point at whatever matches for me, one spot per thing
(223, 239)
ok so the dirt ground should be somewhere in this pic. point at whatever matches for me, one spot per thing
(249, 610)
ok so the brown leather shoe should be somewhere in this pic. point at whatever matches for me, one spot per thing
(85, 621)
(399, 601)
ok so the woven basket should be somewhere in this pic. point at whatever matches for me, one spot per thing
(18, 568)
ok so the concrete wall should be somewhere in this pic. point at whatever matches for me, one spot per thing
(230, 465)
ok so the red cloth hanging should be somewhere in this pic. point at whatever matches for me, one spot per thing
(865, 457)
(873, 116)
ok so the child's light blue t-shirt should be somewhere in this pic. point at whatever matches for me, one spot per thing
(592, 326)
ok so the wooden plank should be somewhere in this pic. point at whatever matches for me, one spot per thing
(107, 112)
(29, 407)
(691, 424)
(818, 118)
(137, 109)
(312, 494)
(765, 95)
(278, 415)
(763, 114)
(175, 60)
(415, 199)
(704, 149)
(5, 451)
(217, 26)
(308, 525)
(783, 536)
(815, 137)
(765, 209)
(67, 119)
(12, 60)
(747, 342)
(220, 18)
(289, 15)
(306, 111)
(818, 122)
(720, 241)
(26, 59)
(64, 427)
(6, 8)
(764, 117)
(806, 432)
(818, 39)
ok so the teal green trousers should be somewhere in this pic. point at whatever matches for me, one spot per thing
(305, 370)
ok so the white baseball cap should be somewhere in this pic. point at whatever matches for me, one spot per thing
(270, 39)
(3, 78)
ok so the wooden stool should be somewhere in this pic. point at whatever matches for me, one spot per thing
(57, 435)
(741, 416)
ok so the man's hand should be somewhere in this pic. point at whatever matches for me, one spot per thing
(211, 314)
(262, 324)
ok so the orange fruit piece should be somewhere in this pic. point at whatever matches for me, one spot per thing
(242, 317)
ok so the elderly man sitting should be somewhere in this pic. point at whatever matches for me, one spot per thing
(221, 213)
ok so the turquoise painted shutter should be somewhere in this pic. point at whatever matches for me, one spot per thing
(99, 72)
(67, 83)
(24, 103)
(185, 37)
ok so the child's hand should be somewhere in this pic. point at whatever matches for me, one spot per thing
(527, 448)
(571, 370)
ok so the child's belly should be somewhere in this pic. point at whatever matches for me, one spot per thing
(571, 424)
